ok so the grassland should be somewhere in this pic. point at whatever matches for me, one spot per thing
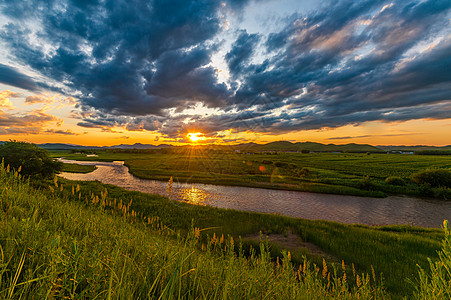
(77, 168)
(344, 173)
(66, 239)
(393, 251)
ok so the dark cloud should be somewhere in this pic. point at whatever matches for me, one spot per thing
(11, 76)
(122, 57)
(317, 57)
(242, 49)
(139, 64)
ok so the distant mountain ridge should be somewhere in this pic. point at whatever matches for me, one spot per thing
(281, 146)
(60, 146)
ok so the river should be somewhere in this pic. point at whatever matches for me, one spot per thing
(314, 206)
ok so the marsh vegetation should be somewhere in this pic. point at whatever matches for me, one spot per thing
(335, 173)
(86, 240)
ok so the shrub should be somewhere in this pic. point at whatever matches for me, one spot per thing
(267, 162)
(30, 158)
(433, 177)
(366, 184)
(305, 151)
(280, 164)
(304, 172)
(395, 180)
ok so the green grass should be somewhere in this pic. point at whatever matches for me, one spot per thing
(76, 168)
(80, 240)
(393, 251)
(59, 245)
(329, 173)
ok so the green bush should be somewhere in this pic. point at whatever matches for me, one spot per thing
(267, 162)
(395, 180)
(433, 177)
(281, 164)
(32, 160)
(366, 184)
(304, 172)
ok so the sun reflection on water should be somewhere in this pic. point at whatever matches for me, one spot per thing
(194, 196)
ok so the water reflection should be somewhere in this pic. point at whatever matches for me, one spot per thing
(193, 196)
(344, 209)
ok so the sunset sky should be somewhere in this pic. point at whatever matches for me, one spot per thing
(100, 72)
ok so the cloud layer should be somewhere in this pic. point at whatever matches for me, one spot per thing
(141, 64)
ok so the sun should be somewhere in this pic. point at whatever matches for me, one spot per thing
(195, 137)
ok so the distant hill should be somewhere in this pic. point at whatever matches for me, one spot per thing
(285, 146)
(281, 146)
(139, 146)
(60, 146)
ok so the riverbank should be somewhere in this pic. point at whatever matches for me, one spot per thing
(339, 208)
(342, 174)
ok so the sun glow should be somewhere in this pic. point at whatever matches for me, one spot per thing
(195, 137)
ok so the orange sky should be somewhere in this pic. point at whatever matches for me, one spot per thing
(416, 132)
(286, 70)
(52, 118)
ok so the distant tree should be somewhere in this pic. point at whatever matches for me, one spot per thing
(305, 151)
(433, 152)
(32, 160)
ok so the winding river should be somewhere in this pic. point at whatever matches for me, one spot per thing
(344, 209)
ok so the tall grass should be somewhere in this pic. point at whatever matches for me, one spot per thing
(55, 246)
(437, 283)
(393, 251)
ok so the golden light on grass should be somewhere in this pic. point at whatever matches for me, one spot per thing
(195, 137)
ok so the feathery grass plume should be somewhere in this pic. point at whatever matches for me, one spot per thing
(343, 267)
(324, 268)
(169, 187)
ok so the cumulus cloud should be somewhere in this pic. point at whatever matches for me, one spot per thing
(139, 65)
(5, 102)
(33, 122)
(37, 99)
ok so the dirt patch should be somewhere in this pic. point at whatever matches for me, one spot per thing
(292, 241)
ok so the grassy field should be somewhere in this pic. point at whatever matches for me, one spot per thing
(393, 251)
(344, 173)
(56, 246)
(86, 240)
(77, 168)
